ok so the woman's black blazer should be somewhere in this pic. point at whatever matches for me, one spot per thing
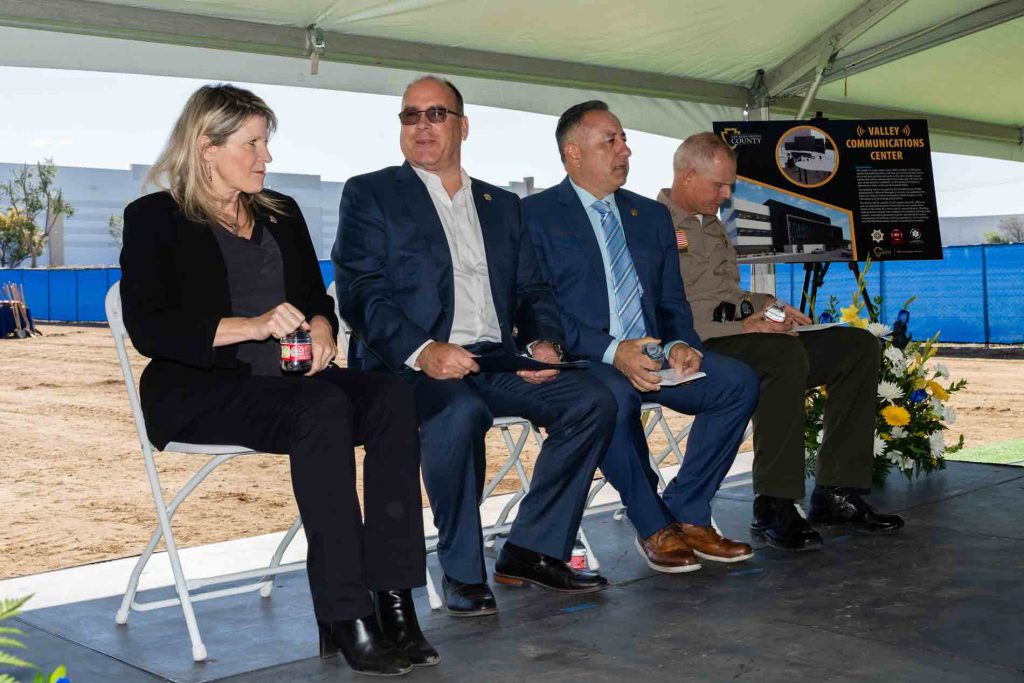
(174, 292)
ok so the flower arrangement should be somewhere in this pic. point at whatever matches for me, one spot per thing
(9, 610)
(913, 395)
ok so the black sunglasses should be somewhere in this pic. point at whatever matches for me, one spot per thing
(410, 117)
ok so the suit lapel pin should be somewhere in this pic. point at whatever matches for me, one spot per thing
(634, 213)
(487, 197)
(273, 218)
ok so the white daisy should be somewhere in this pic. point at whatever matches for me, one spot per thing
(895, 457)
(820, 433)
(937, 443)
(879, 445)
(949, 414)
(898, 432)
(879, 329)
(895, 358)
(937, 408)
(941, 370)
(889, 391)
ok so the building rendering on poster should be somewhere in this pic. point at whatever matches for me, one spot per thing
(823, 190)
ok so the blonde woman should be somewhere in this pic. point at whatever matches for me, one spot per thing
(216, 270)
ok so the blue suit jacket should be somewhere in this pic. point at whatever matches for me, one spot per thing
(571, 260)
(393, 269)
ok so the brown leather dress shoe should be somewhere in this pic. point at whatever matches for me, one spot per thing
(708, 544)
(668, 551)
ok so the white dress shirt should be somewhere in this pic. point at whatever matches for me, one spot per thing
(476, 318)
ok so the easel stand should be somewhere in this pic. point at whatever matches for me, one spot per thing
(814, 278)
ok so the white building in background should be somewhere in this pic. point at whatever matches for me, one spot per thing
(96, 194)
(969, 229)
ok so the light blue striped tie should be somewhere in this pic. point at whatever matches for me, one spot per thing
(624, 279)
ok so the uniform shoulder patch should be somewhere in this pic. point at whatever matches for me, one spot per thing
(682, 242)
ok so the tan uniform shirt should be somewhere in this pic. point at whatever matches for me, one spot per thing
(707, 261)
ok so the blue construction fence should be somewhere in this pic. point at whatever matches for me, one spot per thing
(974, 294)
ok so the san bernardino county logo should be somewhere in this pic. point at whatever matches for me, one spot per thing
(734, 137)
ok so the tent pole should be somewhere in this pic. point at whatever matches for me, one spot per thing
(811, 92)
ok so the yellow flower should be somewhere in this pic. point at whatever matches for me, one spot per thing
(823, 391)
(896, 416)
(936, 390)
(849, 314)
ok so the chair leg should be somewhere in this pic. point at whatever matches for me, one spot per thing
(133, 581)
(198, 649)
(275, 561)
(592, 561)
(432, 596)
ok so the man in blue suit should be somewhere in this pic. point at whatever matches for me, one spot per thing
(433, 269)
(610, 257)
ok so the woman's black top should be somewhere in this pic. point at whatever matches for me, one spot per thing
(256, 285)
(175, 290)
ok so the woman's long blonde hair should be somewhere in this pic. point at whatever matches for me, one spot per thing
(215, 111)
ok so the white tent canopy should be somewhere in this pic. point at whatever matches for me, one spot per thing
(666, 66)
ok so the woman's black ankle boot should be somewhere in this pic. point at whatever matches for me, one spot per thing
(397, 616)
(363, 644)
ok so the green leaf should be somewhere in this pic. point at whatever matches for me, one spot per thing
(58, 673)
(9, 607)
(11, 660)
(39, 679)
(4, 678)
(11, 630)
(10, 642)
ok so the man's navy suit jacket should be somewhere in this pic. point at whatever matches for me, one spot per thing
(393, 269)
(571, 260)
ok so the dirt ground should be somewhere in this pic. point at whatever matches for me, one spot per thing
(73, 489)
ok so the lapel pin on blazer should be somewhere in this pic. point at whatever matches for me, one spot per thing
(273, 218)
(634, 213)
(487, 197)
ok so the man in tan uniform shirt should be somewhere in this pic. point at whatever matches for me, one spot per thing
(787, 363)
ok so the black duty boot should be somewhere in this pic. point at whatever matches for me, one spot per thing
(397, 616)
(839, 506)
(778, 523)
(363, 644)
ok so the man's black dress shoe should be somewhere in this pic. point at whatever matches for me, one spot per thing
(397, 616)
(363, 644)
(837, 505)
(468, 599)
(778, 523)
(516, 566)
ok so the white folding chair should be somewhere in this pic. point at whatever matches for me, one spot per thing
(655, 419)
(165, 511)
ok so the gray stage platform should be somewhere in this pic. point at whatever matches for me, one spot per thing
(939, 601)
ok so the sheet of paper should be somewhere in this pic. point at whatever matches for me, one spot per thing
(670, 378)
(814, 328)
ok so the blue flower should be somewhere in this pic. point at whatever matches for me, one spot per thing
(825, 318)
(918, 396)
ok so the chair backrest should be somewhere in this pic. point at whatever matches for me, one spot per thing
(344, 331)
(115, 319)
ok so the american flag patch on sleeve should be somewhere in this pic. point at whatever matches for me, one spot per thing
(681, 242)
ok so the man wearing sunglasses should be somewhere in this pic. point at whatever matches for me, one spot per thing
(433, 269)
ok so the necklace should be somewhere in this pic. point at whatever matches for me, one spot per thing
(233, 226)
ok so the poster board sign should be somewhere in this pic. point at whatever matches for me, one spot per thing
(823, 190)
